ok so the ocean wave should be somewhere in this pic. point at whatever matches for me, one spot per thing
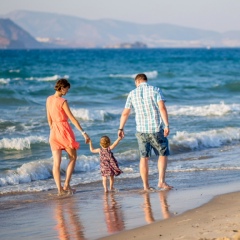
(21, 143)
(42, 170)
(94, 115)
(14, 70)
(151, 74)
(47, 79)
(4, 80)
(220, 109)
(200, 169)
(206, 139)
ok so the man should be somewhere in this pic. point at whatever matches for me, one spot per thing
(152, 127)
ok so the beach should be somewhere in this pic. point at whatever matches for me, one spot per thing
(216, 220)
(201, 88)
(126, 214)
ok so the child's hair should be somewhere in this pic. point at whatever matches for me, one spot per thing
(105, 141)
(61, 83)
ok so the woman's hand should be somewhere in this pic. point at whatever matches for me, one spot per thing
(87, 138)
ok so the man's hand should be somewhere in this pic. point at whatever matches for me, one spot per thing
(121, 133)
(166, 131)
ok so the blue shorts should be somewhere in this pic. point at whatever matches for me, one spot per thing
(155, 141)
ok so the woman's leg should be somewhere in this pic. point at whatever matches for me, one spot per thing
(72, 153)
(57, 158)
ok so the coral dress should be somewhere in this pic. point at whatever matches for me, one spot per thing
(108, 163)
(61, 134)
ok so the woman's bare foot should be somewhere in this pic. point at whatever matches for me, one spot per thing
(113, 190)
(62, 193)
(69, 190)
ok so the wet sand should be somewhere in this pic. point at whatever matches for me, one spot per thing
(127, 214)
(217, 220)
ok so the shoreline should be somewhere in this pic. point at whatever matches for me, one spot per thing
(216, 220)
(91, 214)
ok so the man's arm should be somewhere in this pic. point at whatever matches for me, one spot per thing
(123, 120)
(164, 115)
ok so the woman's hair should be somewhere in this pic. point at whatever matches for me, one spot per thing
(105, 141)
(61, 83)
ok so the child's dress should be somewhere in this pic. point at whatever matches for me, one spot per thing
(108, 163)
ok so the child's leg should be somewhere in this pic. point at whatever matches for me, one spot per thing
(111, 183)
(104, 182)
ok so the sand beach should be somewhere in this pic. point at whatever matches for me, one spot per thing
(127, 214)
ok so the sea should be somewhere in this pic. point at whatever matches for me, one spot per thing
(202, 92)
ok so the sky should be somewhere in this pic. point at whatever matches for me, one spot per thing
(217, 15)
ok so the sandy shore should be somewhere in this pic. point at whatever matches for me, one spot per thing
(91, 214)
(219, 219)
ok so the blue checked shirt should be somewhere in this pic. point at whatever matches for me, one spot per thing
(144, 99)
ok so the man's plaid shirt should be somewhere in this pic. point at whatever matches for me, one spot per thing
(144, 99)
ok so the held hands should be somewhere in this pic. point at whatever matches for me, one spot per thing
(87, 138)
(121, 133)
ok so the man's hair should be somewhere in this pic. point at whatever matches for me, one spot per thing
(105, 141)
(61, 83)
(141, 76)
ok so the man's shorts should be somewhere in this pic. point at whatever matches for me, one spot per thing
(155, 141)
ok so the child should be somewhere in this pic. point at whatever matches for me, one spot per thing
(108, 163)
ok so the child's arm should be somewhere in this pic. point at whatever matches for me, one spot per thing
(115, 143)
(92, 149)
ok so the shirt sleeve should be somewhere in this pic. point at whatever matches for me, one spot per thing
(159, 95)
(129, 102)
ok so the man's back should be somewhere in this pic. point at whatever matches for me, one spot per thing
(144, 99)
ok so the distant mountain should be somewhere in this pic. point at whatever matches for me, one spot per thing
(69, 31)
(14, 37)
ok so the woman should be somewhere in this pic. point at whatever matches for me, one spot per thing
(61, 134)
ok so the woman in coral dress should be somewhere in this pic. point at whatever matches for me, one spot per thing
(61, 134)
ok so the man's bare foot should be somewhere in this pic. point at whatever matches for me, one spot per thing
(165, 186)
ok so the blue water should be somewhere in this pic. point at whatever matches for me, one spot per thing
(201, 86)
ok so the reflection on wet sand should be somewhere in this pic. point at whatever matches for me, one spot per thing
(113, 214)
(147, 208)
(68, 223)
(164, 205)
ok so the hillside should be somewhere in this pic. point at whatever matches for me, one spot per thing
(14, 37)
(69, 31)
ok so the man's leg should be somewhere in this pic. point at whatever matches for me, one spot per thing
(144, 172)
(162, 166)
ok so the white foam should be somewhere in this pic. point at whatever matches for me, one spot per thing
(151, 74)
(21, 143)
(207, 139)
(4, 80)
(46, 79)
(220, 109)
(14, 70)
(93, 115)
